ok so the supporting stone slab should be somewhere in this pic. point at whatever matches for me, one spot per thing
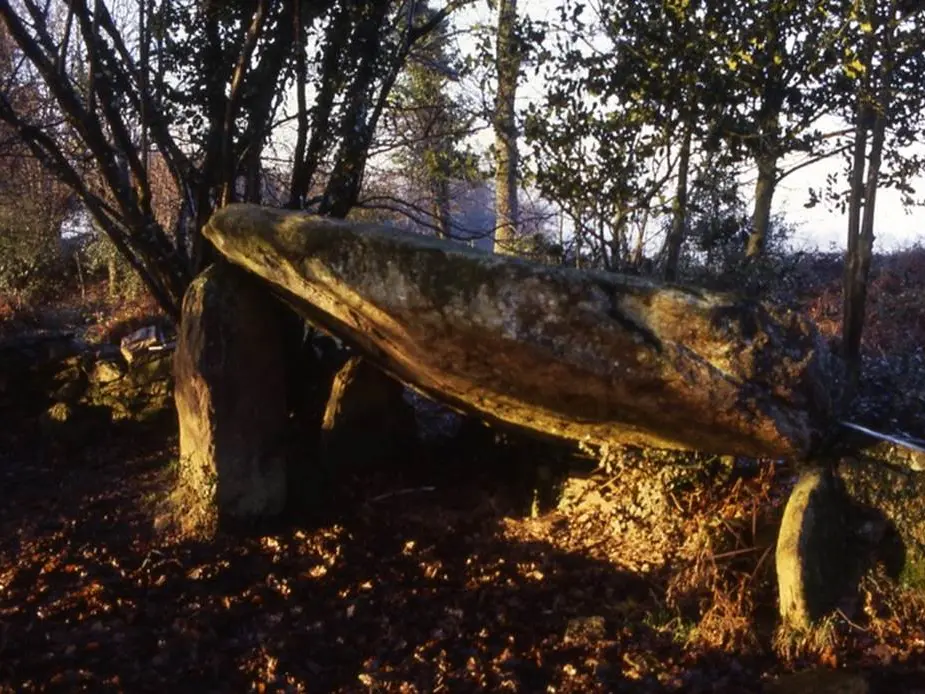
(366, 419)
(230, 369)
(814, 569)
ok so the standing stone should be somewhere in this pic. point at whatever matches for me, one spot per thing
(367, 419)
(813, 566)
(230, 371)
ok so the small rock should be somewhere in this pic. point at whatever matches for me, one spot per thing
(106, 372)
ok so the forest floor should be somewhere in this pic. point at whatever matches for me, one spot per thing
(433, 575)
(422, 581)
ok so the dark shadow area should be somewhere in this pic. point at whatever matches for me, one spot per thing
(413, 576)
(879, 540)
(421, 589)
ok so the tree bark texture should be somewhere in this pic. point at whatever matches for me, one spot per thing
(506, 159)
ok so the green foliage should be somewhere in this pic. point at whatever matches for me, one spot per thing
(775, 62)
(880, 73)
(751, 80)
(427, 122)
(603, 141)
(31, 255)
(101, 257)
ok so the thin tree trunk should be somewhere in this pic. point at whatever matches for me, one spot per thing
(679, 214)
(185, 216)
(605, 250)
(309, 156)
(860, 250)
(112, 276)
(80, 276)
(860, 241)
(579, 238)
(442, 206)
(143, 73)
(639, 246)
(618, 246)
(761, 216)
(508, 66)
(210, 181)
(296, 195)
(362, 112)
(229, 168)
(854, 228)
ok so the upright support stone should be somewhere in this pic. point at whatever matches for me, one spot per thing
(366, 418)
(814, 569)
(230, 369)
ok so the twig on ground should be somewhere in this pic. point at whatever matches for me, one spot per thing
(849, 622)
(767, 552)
(735, 553)
(402, 492)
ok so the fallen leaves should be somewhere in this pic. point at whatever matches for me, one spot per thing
(450, 593)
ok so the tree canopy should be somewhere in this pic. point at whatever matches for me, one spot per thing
(645, 128)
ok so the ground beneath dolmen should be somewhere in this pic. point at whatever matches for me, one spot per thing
(421, 581)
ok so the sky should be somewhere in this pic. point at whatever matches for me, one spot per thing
(819, 227)
(894, 226)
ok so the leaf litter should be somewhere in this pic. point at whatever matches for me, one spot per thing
(452, 592)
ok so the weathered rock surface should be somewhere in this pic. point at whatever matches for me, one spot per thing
(366, 418)
(138, 392)
(230, 382)
(77, 390)
(585, 356)
(814, 563)
(839, 523)
(894, 501)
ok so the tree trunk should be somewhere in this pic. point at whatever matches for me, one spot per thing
(361, 113)
(764, 195)
(508, 65)
(233, 103)
(579, 236)
(860, 244)
(639, 247)
(112, 276)
(442, 206)
(679, 214)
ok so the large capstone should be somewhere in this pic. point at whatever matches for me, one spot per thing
(587, 356)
